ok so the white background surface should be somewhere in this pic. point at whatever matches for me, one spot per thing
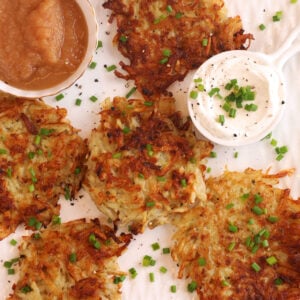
(260, 155)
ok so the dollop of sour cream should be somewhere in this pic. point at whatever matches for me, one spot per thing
(249, 69)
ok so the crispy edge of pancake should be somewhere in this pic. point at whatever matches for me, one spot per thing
(146, 28)
(30, 187)
(145, 163)
(64, 262)
(204, 233)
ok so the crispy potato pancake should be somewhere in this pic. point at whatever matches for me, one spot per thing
(165, 39)
(41, 157)
(244, 244)
(145, 163)
(75, 260)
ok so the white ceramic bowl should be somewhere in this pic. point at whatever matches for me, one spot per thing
(92, 26)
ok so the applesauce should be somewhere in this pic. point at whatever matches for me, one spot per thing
(42, 42)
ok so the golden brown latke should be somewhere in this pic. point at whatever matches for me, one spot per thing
(74, 260)
(244, 244)
(41, 157)
(165, 39)
(145, 163)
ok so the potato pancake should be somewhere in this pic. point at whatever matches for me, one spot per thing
(41, 157)
(165, 39)
(145, 163)
(244, 244)
(74, 260)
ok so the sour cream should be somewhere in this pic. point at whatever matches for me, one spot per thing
(249, 69)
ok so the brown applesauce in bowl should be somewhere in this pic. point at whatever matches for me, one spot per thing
(42, 42)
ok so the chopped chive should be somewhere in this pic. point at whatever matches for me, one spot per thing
(67, 193)
(271, 260)
(159, 19)
(117, 155)
(173, 288)
(166, 250)
(133, 272)
(140, 175)
(193, 94)
(221, 119)
(293, 1)
(151, 277)
(208, 170)
(13, 242)
(119, 279)
(130, 93)
(257, 210)
(213, 154)
(273, 219)
(169, 8)
(150, 204)
(166, 52)
(148, 261)
(123, 38)
(59, 97)
(236, 155)
(155, 246)
(273, 142)
(279, 157)
(265, 243)
(258, 199)
(183, 182)
(77, 171)
(25, 289)
(56, 220)
(93, 65)
(99, 44)
(204, 42)
(148, 103)
(31, 155)
(213, 91)
(164, 60)
(229, 206)
(9, 172)
(232, 228)
(161, 178)
(251, 107)
(78, 102)
(231, 246)
(278, 281)
(262, 27)
(192, 286)
(31, 188)
(226, 106)
(201, 261)
(149, 149)
(163, 269)
(126, 130)
(232, 113)
(251, 221)
(178, 15)
(277, 17)
(255, 248)
(37, 139)
(3, 151)
(93, 98)
(225, 283)
(110, 68)
(245, 196)
(256, 267)
(73, 257)
(11, 271)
